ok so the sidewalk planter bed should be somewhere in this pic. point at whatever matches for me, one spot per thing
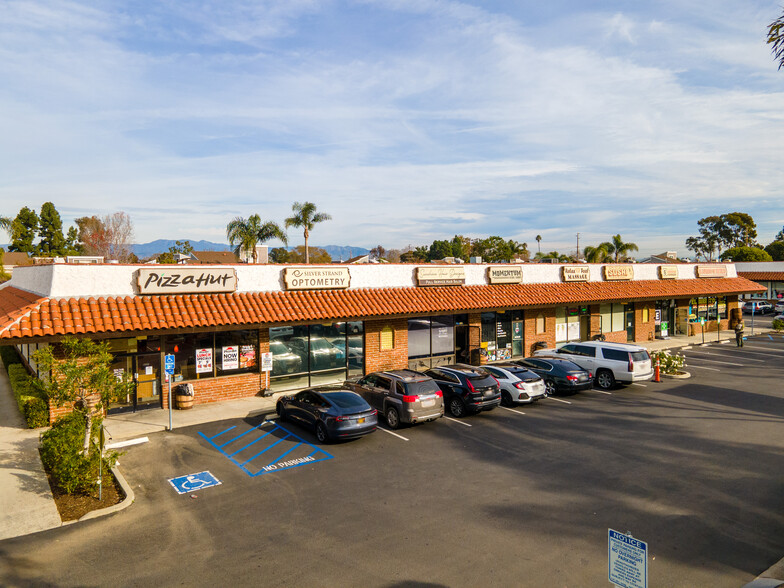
(670, 364)
(678, 375)
(31, 404)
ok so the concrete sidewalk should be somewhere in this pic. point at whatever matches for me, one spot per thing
(26, 501)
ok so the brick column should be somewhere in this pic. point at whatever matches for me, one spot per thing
(377, 360)
(644, 331)
(531, 336)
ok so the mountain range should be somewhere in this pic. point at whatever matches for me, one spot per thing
(147, 250)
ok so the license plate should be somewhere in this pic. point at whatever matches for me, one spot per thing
(362, 420)
(426, 403)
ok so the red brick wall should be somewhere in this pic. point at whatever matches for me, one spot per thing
(475, 338)
(644, 331)
(616, 337)
(219, 389)
(377, 360)
(530, 336)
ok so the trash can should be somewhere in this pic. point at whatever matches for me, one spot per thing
(539, 345)
(183, 395)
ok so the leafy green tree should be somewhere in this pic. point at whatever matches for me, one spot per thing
(559, 257)
(378, 252)
(745, 254)
(417, 255)
(83, 377)
(245, 234)
(3, 274)
(72, 245)
(460, 247)
(733, 229)
(5, 223)
(779, 236)
(279, 255)
(305, 217)
(776, 250)
(619, 249)
(179, 248)
(598, 254)
(313, 255)
(24, 230)
(50, 231)
(440, 250)
(776, 39)
(496, 249)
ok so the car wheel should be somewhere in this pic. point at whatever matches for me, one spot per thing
(456, 407)
(280, 410)
(393, 418)
(605, 379)
(506, 398)
(321, 433)
(549, 387)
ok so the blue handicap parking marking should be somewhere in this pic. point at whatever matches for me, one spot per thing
(191, 482)
(265, 448)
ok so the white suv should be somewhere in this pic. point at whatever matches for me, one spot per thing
(609, 362)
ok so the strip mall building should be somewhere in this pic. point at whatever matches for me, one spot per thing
(244, 330)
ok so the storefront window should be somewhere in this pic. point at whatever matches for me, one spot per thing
(236, 352)
(612, 317)
(567, 324)
(502, 334)
(206, 355)
(431, 342)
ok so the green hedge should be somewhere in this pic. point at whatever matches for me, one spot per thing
(32, 405)
(61, 454)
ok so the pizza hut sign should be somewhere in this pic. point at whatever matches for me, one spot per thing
(186, 280)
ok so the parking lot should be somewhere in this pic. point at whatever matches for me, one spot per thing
(514, 497)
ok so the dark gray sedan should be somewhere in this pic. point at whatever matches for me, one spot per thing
(333, 413)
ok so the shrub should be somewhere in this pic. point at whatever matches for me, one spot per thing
(668, 363)
(29, 398)
(9, 355)
(778, 324)
(71, 471)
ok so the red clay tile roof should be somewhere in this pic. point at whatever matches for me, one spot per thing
(763, 276)
(44, 317)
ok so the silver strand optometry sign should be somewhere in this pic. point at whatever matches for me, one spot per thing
(316, 278)
(186, 280)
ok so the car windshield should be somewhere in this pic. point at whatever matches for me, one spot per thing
(346, 400)
(426, 387)
(640, 356)
(319, 344)
(483, 380)
(278, 348)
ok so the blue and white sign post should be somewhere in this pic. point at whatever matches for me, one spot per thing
(168, 366)
(627, 560)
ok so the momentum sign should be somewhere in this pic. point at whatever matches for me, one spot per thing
(440, 276)
(505, 274)
(576, 273)
(618, 272)
(316, 278)
(712, 271)
(186, 280)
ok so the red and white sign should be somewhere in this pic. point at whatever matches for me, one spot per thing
(203, 361)
(231, 357)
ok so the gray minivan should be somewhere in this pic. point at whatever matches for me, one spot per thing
(402, 396)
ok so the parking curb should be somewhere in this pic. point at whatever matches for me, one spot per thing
(127, 501)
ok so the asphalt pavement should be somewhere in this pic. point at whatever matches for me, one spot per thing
(520, 497)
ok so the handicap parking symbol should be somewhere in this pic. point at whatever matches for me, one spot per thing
(191, 482)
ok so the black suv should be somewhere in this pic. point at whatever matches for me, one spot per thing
(466, 388)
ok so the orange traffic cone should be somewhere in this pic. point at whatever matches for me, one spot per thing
(656, 375)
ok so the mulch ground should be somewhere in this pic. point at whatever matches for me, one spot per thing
(74, 506)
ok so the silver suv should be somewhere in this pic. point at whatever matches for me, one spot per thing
(610, 363)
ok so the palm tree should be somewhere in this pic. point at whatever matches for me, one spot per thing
(776, 39)
(621, 249)
(598, 254)
(305, 216)
(244, 234)
(539, 243)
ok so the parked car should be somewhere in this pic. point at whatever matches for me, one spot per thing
(518, 384)
(466, 388)
(332, 412)
(355, 345)
(283, 360)
(402, 396)
(610, 362)
(778, 308)
(323, 354)
(560, 376)
(779, 317)
(757, 307)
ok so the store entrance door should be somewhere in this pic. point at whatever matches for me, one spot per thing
(462, 349)
(628, 310)
(146, 391)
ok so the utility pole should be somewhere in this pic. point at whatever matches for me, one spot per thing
(577, 255)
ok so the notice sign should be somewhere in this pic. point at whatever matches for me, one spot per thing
(266, 362)
(203, 361)
(576, 273)
(231, 357)
(316, 278)
(627, 560)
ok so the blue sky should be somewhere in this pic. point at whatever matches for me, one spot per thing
(406, 120)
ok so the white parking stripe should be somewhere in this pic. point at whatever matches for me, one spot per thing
(638, 384)
(768, 349)
(511, 410)
(392, 433)
(719, 361)
(456, 421)
(702, 367)
(599, 391)
(719, 355)
(558, 400)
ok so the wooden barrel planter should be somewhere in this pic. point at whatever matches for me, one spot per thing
(183, 396)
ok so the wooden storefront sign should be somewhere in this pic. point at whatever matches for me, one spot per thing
(712, 271)
(440, 276)
(186, 280)
(618, 272)
(505, 274)
(668, 272)
(576, 273)
(316, 278)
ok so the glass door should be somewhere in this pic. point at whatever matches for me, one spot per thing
(122, 366)
(629, 313)
(148, 380)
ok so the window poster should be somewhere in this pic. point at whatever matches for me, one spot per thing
(247, 356)
(231, 358)
(203, 360)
